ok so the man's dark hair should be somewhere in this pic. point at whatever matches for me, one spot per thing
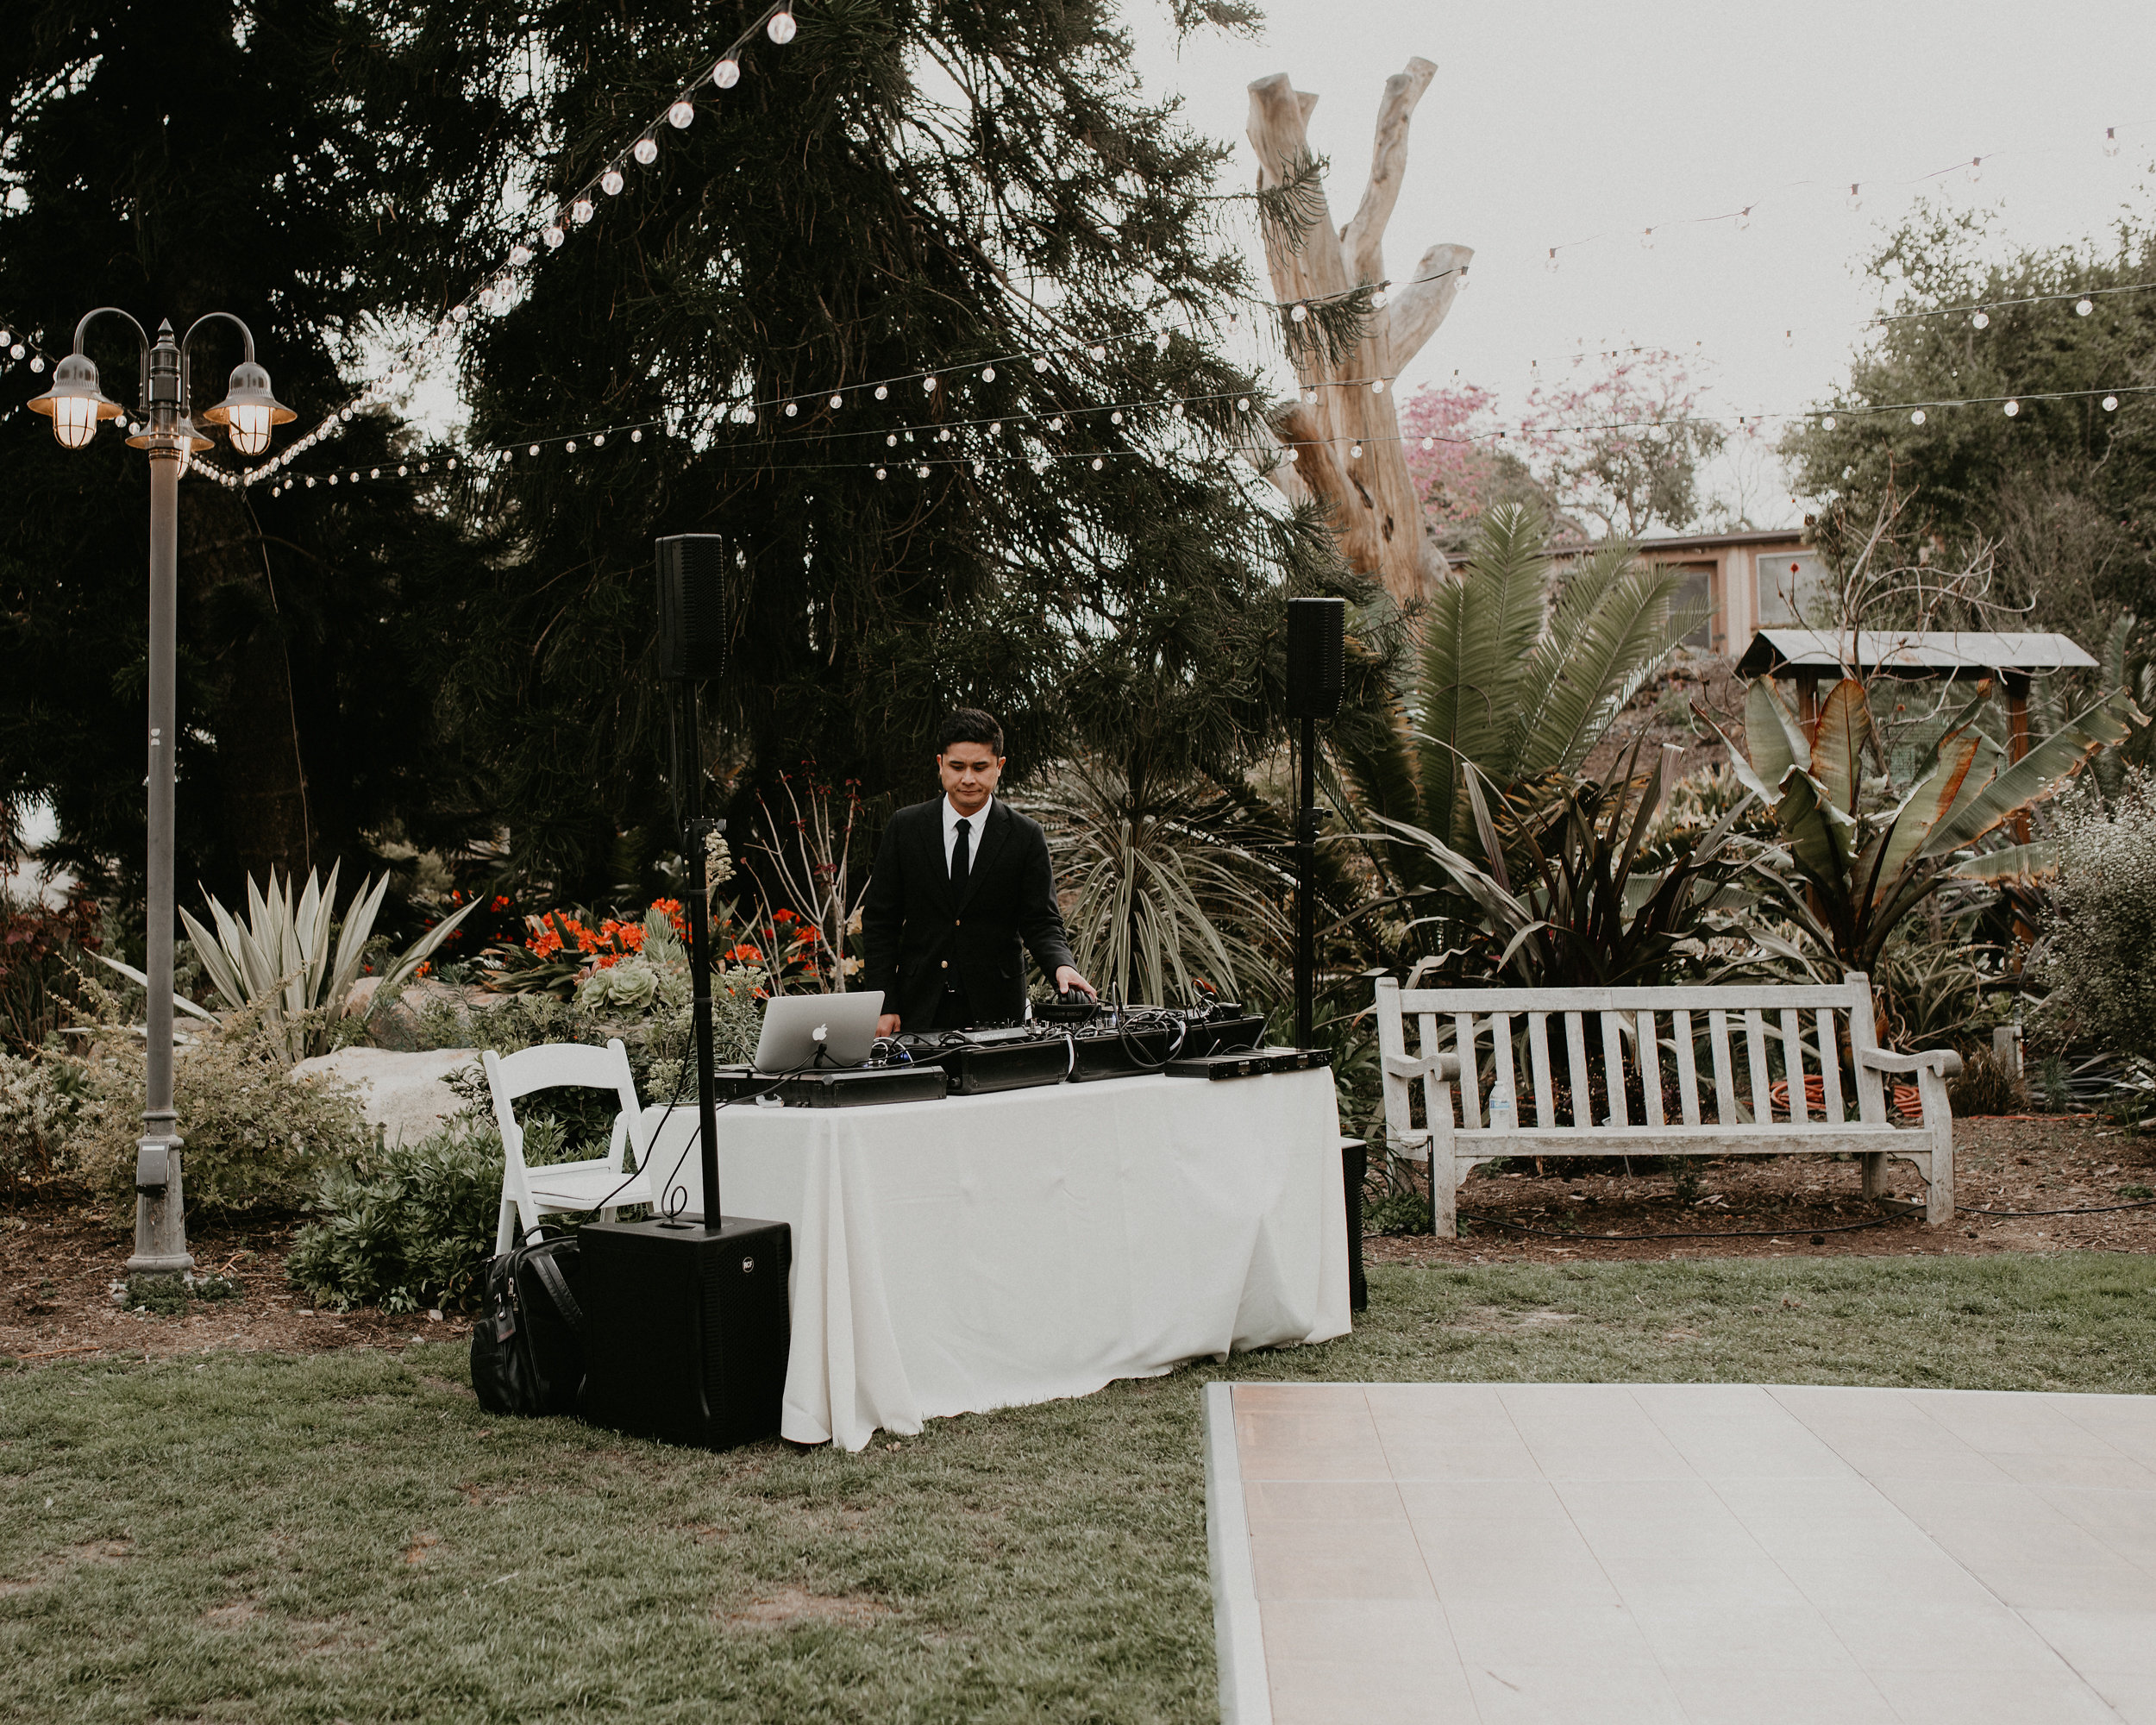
(970, 725)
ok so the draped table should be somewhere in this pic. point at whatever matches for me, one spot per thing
(985, 1251)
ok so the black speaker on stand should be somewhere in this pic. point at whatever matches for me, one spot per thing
(1317, 646)
(687, 1323)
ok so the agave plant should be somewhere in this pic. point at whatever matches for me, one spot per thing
(1172, 885)
(1857, 863)
(278, 962)
(1512, 688)
(1582, 902)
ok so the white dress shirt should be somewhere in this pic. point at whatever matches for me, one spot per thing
(979, 824)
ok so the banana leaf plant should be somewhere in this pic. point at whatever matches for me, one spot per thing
(1582, 903)
(1857, 865)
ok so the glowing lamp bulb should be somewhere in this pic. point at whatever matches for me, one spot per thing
(1298, 313)
(1917, 418)
(519, 256)
(554, 235)
(1981, 321)
(727, 74)
(2110, 140)
(781, 28)
(2084, 307)
(74, 421)
(2013, 410)
(610, 182)
(680, 113)
(647, 151)
(250, 428)
(1827, 424)
(581, 211)
(2110, 404)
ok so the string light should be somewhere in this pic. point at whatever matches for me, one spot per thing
(1917, 418)
(727, 74)
(2084, 307)
(2110, 404)
(680, 113)
(781, 28)
(2110, 140)
(610, 182)
(647, 150)
(1981, 321)
(2013, 408)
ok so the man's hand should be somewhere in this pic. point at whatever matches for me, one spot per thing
(887, 1024)
(1066, 979)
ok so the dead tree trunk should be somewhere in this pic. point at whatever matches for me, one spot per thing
(1346, 441)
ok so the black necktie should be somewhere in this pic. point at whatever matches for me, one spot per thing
(960, 864)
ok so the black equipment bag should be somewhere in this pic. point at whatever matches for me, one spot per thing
(527, 1345)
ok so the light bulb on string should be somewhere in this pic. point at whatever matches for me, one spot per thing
(1097, 464)
(727, 74)
(554, 237)
(1056, 424)
(1550, 263)
(1743, 218)
(647, 151)
(2084, 307)
(1100, 352)
(995, 428)
(922, 471)
(792, 408)
(1429, 443)
(1856, 195)
(781, 28)
(610, 182)
(1298, 312)
(1646, 238)
(534, 449)
(1378, 299)
(988, 373)
(581, 211)
(881, 472)
(891, 439)
(838, 401)
(1242, 404)
(519, 256)
(2110, 140)
(636, 436)
(598, 440)
(928, 385)
(883, 392)
(1116, 418)
(1377, 385)
(680, 113)
(1827, 424)
(1355, 452)
(2110, 404)
(1917, 418)
(1981, 321)
(1292, 455)
(1974, 172)
(2013, 410)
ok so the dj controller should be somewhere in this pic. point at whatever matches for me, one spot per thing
(1069, 1040)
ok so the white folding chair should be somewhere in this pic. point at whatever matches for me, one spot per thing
(529, 1193)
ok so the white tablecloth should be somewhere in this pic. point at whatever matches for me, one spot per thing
(985, 1252)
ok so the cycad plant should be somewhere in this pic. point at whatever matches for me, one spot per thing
(1858, 862)
(1513, 687)
(278, 962)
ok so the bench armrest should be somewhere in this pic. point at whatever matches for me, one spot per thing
(1443, 1067)
(1943, 1061)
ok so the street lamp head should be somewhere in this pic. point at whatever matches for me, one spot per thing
(248, 409)
(75, 403)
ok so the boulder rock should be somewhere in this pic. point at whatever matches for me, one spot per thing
(405, 1095)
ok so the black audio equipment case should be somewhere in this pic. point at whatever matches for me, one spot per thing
(697, 583)
(854, 1087)
(687, 1329)
(1250, 1064)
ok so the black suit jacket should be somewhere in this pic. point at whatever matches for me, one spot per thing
(915, 937)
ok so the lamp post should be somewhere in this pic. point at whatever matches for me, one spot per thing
(76, 404)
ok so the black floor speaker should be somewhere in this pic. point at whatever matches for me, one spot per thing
(687, 1329)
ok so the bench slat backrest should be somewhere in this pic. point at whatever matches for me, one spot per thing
(1647, 1036)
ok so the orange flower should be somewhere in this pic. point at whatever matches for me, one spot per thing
(424, 968)
(746, 954)
(784, 916)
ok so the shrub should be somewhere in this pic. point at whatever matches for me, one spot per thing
(1988, 1085)
(406, 1227)
(255, 1139)
(38, 1104)
(2099, 951)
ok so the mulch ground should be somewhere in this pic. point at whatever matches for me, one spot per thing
(1807, 1204)
(57, 1264)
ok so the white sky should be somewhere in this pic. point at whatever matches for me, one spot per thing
(1552, 123)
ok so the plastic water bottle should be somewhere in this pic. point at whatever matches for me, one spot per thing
(1501, 1107)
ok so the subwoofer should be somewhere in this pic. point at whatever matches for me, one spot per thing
(687, 1329)
(697, 588)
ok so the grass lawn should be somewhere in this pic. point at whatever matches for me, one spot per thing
(349, 1537)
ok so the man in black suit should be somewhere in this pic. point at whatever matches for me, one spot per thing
(960, 884)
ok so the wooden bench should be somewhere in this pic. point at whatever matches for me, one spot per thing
(1492, 1042)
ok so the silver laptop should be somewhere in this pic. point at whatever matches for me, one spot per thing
(795, 1026)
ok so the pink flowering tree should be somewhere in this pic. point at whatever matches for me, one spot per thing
(1447, 436)
(1621, 440)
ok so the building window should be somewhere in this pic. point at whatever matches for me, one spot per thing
(1795, 590)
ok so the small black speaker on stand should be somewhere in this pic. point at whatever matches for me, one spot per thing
(687, 1323)
(1317, 651)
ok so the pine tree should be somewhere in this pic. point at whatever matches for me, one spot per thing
(278, 161)
(975, 189)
